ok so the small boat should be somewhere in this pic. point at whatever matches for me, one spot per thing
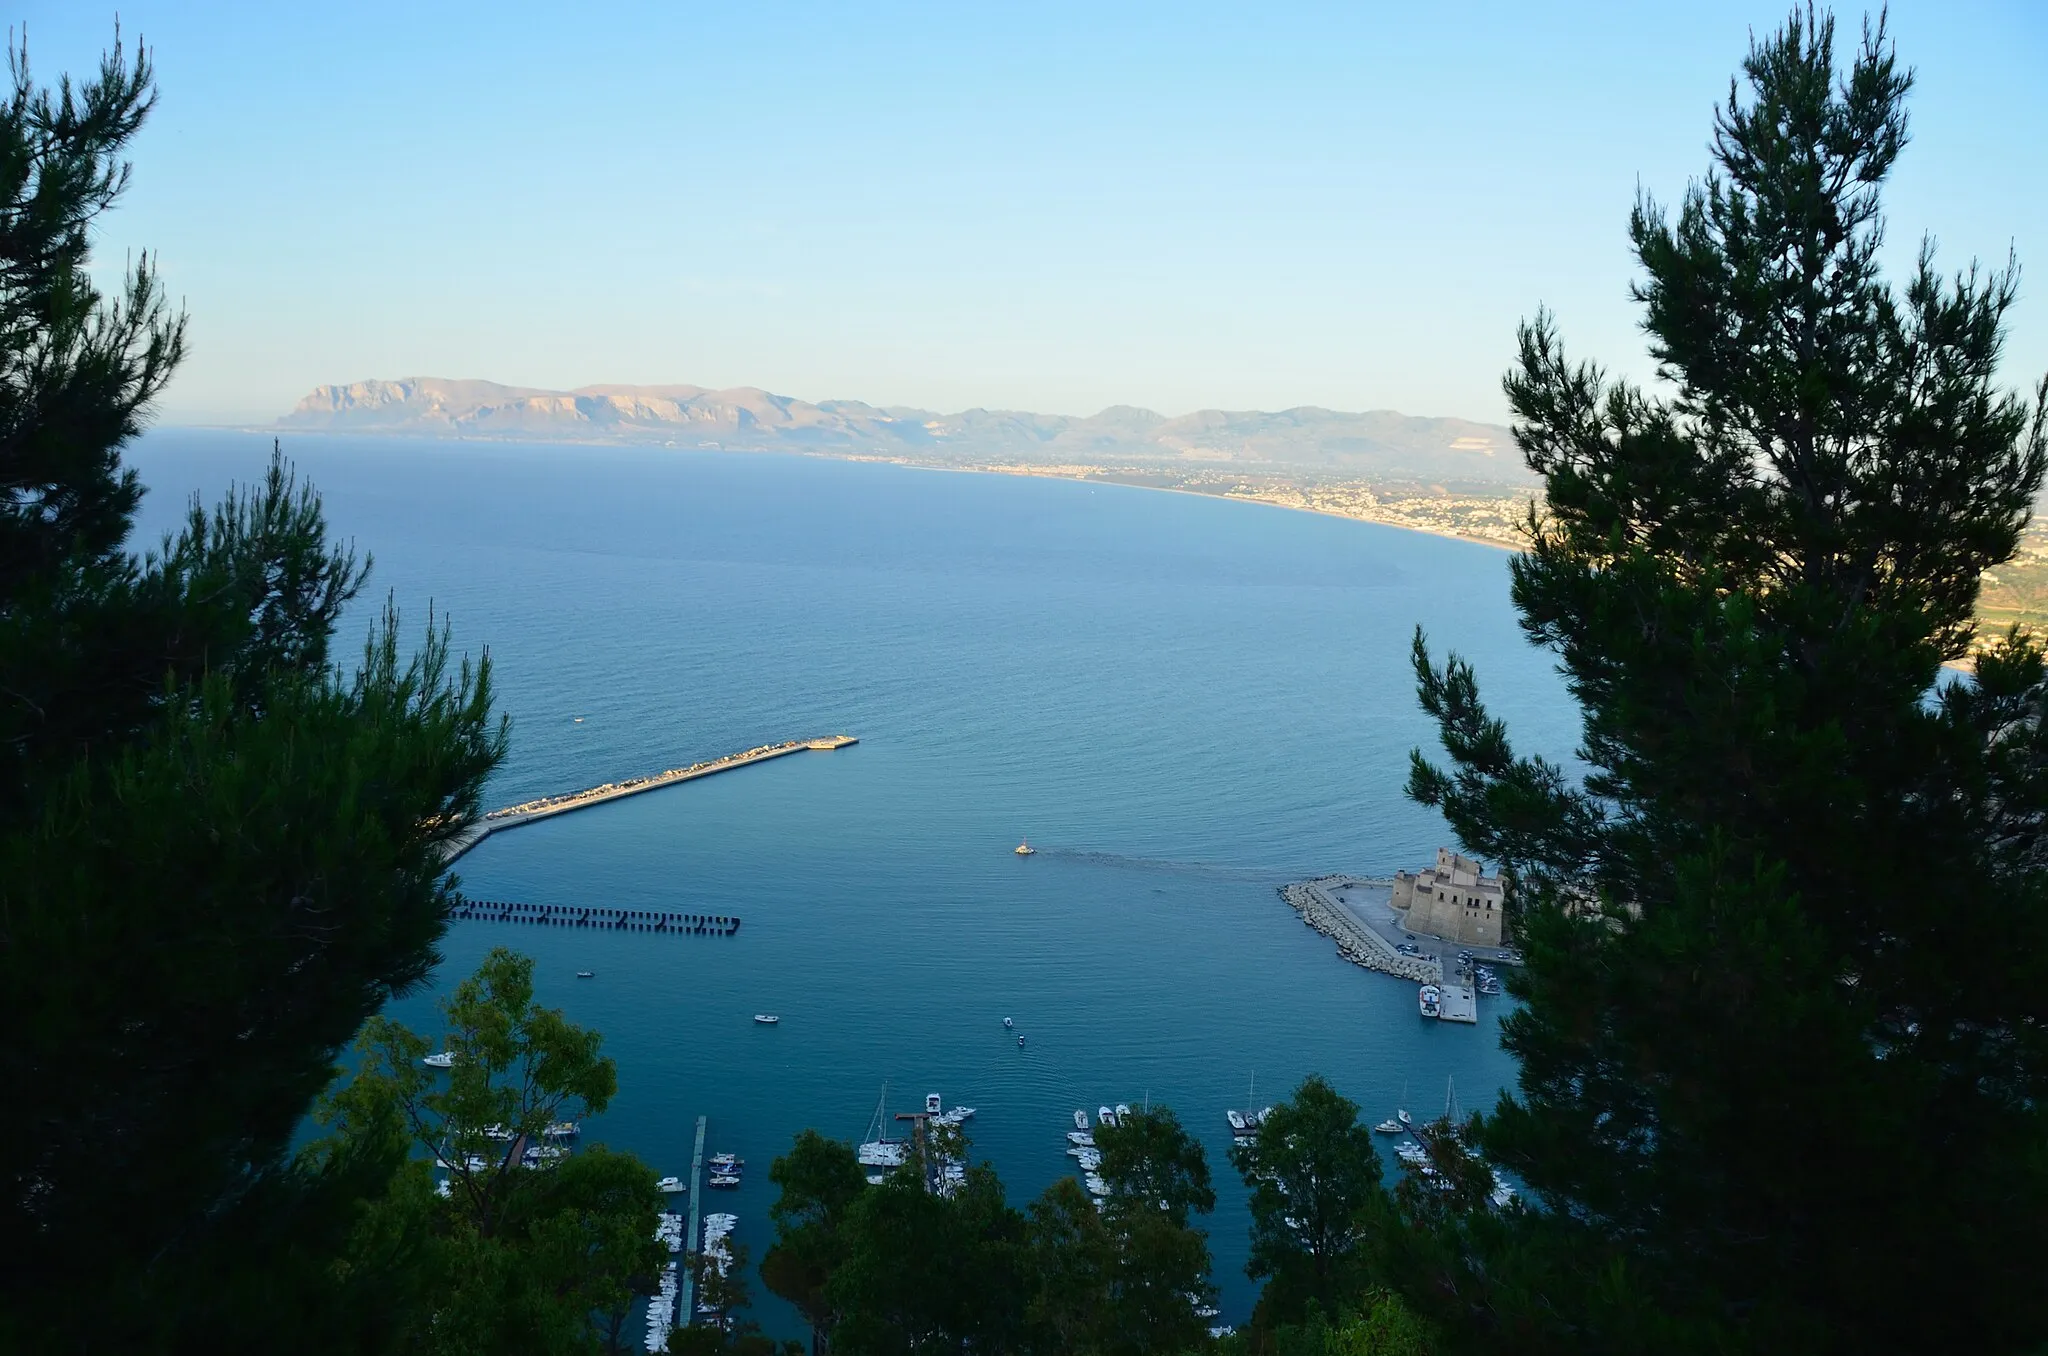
(1390, 1126)
(498, 1133)
(876, 1179)
(1007, 1024)
(1096, 1186)
(1026, 850)
(1236, 1119)
(1407, 1121)
(1429, 999)
(931, 1104)
(766, 1018)
(443, 1189)
(1081, 1138)
(579, 720)
(1020, 1040)
(723, 1180)
(1080, 1120)
(444, 1060)
(1123, 1109)
(563, 1130)
(1264, 1112)
(586, 974)
(1106, 1116)
(726, 1162)
(671, 1185)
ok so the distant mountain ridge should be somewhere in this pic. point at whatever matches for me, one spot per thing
(746, 418)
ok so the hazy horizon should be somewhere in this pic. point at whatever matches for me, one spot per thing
(1056, 211)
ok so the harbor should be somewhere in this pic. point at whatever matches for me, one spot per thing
(1373, 935)
(547, 807)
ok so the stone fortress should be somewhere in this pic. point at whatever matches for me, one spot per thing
(1453, 900)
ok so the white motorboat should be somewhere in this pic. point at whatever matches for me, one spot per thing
(1430, 1000)
(444, 1060)
(498, 1133)
(1390, 1126)
(1123, 1109)
(1026, 850)
(671, 1185)
(1007, 1024)
(444, 1189)
(1096, 1186)
(1082, 1138)
(766, 1018)
(723, 1180)
(1105, 1116)
(1236, 1119)
(876, 1179)
(563, 1130)
(1080, 1120)
(932, 1104)
(1263, 1113)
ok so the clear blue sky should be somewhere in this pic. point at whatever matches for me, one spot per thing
(1037, 206)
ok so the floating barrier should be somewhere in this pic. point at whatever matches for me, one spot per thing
(596, 916)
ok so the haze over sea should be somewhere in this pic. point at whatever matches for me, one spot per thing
(1182, 702)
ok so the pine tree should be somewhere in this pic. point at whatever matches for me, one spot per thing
(1782, 1042)
(219, 854)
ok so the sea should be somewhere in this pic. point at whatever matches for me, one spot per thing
(1182, 702)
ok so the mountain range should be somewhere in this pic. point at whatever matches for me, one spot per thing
(1372, 444)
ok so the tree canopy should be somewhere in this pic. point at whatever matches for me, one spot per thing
(1782, 1045)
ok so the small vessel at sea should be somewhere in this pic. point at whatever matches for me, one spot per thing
(1390, 1126)
(766, 1018)
(1080, 1120)
(1123, 1109)
(1236, 1119)
(579, 720)
(1081, 1139)
(586, 974)
(1106, 1116)
(932, 1104)
(671, 1185)
(1020, 1038)
(1430, 1000)
(1026, 850)
(444, 1060)
(1008, 1024)
(562, 1130)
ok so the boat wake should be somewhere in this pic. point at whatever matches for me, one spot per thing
(1124, 861)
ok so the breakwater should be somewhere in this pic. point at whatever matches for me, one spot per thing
(546, 807)
(593, 916)
(1357, 943)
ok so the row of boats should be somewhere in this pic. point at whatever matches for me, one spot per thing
(880, 1150)
(1081, 1146)
(661, 1308)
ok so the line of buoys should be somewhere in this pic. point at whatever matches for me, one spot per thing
(583, 916)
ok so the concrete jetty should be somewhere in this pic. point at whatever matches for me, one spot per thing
(528, 812)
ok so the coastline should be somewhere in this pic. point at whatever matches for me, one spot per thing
(1103, 476)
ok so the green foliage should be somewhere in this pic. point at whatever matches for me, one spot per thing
(893, 1268)
(1314, 1175)
(218, 854)
(1783, 1050)
(548, 1258)
(819, 1180)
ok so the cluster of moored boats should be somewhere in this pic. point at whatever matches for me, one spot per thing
(885, 1152)
(725, 1171)
(717, 1256)
(1081, 1146)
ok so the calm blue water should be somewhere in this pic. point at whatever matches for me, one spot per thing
(1182, 702)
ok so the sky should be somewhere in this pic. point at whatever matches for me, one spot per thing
(1041, 206)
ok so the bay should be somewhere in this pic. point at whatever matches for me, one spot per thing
(1182, 702)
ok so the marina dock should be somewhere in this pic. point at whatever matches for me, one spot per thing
(547, 807)
(692, 1237)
